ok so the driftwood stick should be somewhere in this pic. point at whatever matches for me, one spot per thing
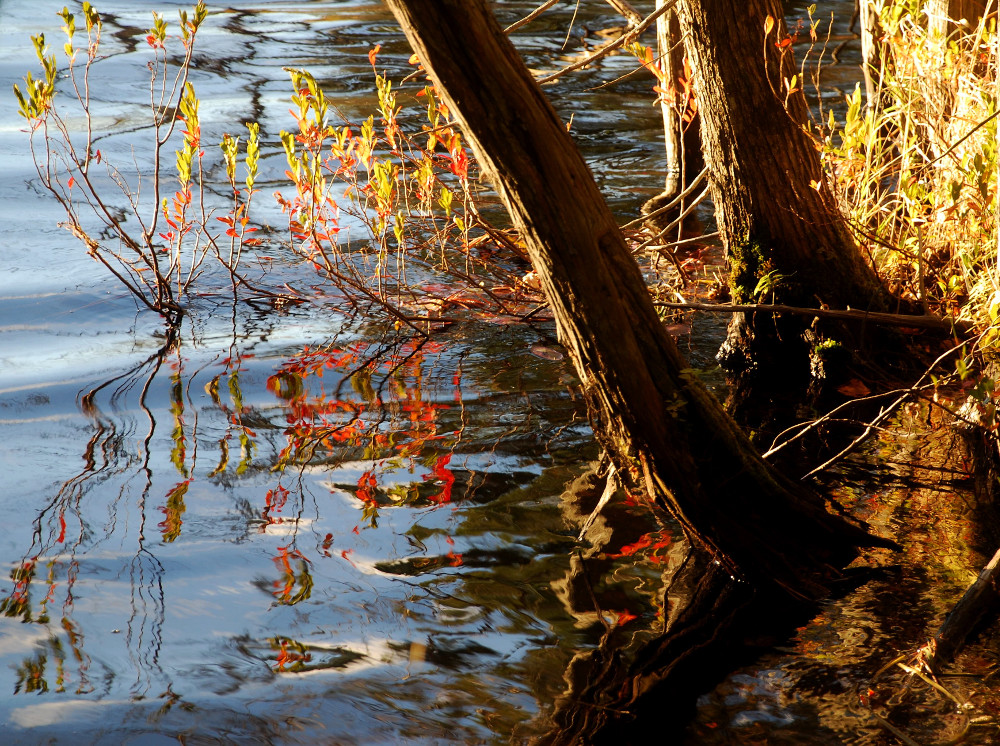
(886, 319)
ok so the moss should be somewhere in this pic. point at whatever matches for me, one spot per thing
(829, 361)
(748, 262)
(828, 348)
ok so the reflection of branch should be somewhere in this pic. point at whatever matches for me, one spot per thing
(87, 400)
(530, 17)
(630, 35)
(143, 556)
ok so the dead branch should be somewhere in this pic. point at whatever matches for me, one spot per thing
(885, 319)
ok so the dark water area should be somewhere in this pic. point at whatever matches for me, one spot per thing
(297, 526)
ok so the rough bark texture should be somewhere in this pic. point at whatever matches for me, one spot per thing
(774, 211)
(661, 426)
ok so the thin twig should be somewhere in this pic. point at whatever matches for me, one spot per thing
(675, 222)
(881, 416)
(807, 427)
(673, 203)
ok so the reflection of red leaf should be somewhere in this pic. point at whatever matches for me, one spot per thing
(624, 617)
(854, 388)
(651, 541)
(366, 487)
(629, 549)
(443, 474)
(456, 559)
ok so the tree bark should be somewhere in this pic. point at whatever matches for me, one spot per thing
(775, 213)
(681, 138)
(944, 16)
(871, 58)
(670, 52)
(663, 429)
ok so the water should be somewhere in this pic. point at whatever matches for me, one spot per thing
(399, 579)
(411, 575)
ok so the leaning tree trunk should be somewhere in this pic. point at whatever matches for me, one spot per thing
(663, 429)
(785, 238)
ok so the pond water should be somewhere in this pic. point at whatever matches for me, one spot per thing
(162, 580)
(204, 544)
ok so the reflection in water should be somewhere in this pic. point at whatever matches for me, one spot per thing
(393, 504)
